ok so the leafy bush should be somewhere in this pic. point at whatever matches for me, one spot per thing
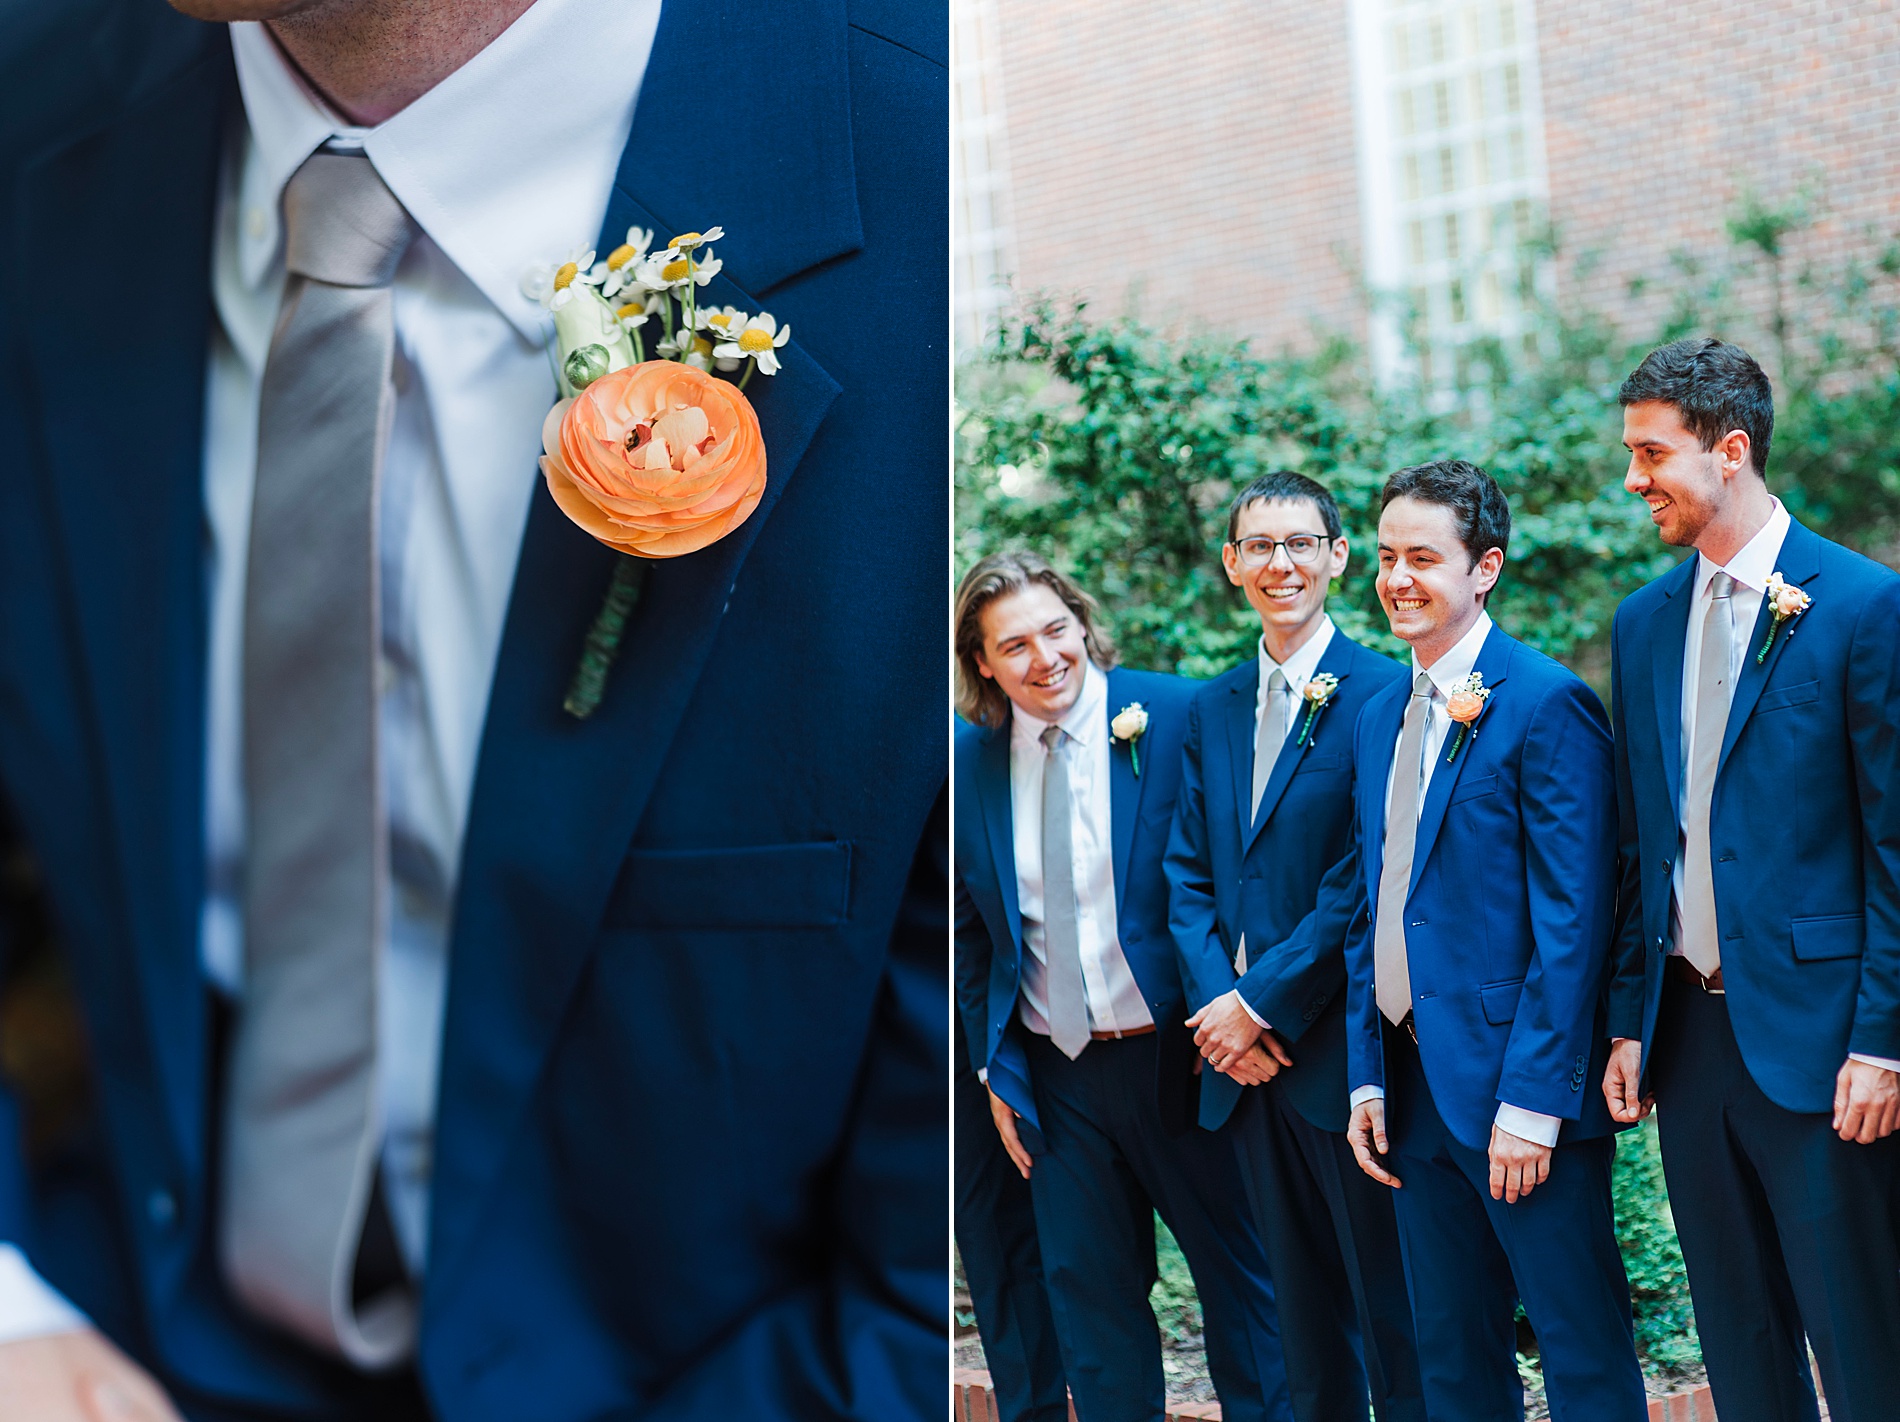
(1646, 1233)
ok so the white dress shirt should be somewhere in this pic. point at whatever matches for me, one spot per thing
(1750, 568)
(1113, 996)
(505, 163)
(1445, 674)
(1296, 671)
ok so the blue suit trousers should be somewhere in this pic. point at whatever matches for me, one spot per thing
(1469, 1259)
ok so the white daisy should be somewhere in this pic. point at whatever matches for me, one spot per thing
(687, 241)
(546, 281)
(760, 339)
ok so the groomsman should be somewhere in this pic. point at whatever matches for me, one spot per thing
(1265, 812)
(1066, 779)
(996, 1240)
(1487, 825)
(1757, 976)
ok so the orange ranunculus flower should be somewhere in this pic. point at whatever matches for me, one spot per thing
(1464, 706)
(656, 459)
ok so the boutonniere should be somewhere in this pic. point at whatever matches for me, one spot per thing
(655, 458)
(1465, 705)
(1128, 726)
(1318, 694)
(1785, 601)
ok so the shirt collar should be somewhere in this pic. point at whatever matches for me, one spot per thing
(505, 163)
(1299, 668)
(1456, 664)
(1084, 721)
(1755, 562)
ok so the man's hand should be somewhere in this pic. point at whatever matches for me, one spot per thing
(1224, 1030)
(1518, 1166)
(1866, 1102)
(1366, 1133)
(1006, 1128)
(1259, 1064)
(76, 1377)
(1621, 1081)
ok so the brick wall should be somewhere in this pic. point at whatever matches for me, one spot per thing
(1199, 161)
(1190, 161)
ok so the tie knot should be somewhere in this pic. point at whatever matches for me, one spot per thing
(342, 225)
(1052, 739)
(1276, 683)
(1721, 585)
(1422, 684)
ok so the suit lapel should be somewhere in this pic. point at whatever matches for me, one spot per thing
(1494, 660)
(999, 825)
(1800, 562)
(1124, 790)
(1238, 714)
(1381, 736)
(1338, 662)
(1667, 631)
(132, 533)
(555, 801)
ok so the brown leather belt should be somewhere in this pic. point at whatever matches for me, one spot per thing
(1683, 971)
(1112, 1036)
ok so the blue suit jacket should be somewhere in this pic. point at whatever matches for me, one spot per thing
(1804, 823)
(1265, 881)
(1507, 927)
(989, 939)
(691, 1138)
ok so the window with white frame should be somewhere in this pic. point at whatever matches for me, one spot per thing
(1452, 178)
(982, 235)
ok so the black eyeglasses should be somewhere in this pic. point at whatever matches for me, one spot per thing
(1258, 552)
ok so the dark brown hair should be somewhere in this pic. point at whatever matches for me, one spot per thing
(979, 699)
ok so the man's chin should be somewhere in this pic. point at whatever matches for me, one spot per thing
(226, 11)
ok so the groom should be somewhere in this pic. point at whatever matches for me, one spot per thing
(627, 1094)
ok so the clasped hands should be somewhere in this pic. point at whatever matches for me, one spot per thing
(1866, 1097)
(1235, 1045)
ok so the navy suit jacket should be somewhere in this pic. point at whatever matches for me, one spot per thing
(1265, 881)
(692, 1131)
(1512, 902)
(989, 937)
(1804, 826)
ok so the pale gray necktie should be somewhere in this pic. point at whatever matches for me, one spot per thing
(301, 1130)
(1392, 974)
(1061, 942)
(1714, 690)
(1269, 734)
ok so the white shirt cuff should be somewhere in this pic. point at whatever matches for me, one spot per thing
(983, 1075)
(1886, 1063)
(1533, 1126)
(29, 1306)
(1366, 1093)
(1247, 1008)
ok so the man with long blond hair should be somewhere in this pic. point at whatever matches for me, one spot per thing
(1066, 778)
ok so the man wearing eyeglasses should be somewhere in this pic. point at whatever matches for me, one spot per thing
(1263, 821)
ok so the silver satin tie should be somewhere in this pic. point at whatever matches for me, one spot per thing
(1061, 941)
(1392, 974)
(1714, 689)
(302, 1127)
(1269, 735)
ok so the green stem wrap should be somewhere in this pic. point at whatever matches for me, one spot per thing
(603, 638)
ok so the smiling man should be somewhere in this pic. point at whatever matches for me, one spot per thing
(1066, 776)
(1757, 983)
(1486, 827)
(1264, 825)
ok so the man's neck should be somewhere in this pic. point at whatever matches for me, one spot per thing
(1731, 530)
(1427, 651)
(1282, 642)
(371, 59)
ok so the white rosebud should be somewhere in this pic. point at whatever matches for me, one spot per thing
(1129, 722)
(585, 320)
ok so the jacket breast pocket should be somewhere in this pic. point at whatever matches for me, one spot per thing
(1316, 761)
(1499, 1000)
(1782, 697)
(1473, 786)
(1836, 936)
(761, 886)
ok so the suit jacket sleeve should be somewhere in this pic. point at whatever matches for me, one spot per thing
(1567, 802)
(973, 954)
(1283, 984)
(1628, 960)
(1206, 972)
(1873, 722)
(866, 1342)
